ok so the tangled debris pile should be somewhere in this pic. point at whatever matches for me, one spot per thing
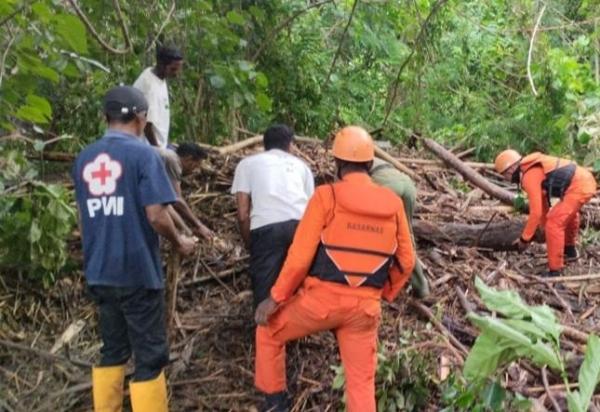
(48, 338)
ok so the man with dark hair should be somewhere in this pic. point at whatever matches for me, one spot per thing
(153, 83)
(352, 248)
(186, 158)
(122, 194)
(272, 189)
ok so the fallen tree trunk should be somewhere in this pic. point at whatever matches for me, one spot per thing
(469, 173)
(496, 236)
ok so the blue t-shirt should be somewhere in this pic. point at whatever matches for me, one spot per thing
(115, 178)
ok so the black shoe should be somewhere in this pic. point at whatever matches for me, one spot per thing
(277, 402)
(571, 252)
(551, 273)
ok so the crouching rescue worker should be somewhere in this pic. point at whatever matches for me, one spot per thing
(386, 175)
(545, 177)
(352, 247)
(122, 193)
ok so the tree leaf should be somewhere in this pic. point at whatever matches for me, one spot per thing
(493, 395)
(72, 31)
(485, 357)
(244, 65)
(40, 103)
(217, 81)
(263, 101)
(235, 18)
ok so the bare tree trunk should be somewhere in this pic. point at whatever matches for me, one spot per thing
(469, 173)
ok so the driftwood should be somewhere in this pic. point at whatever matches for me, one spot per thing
(469, 173)
(497, 236)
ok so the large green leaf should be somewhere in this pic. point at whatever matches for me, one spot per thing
(485, 356)
(72, 31)
(589, 376)
(539, 352)
(510, 304)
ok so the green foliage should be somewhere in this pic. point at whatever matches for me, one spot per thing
(479, 397)
(402, 380)
(248, 64)
(589, 377)
(35, 220)
(529, 332)
(525, 331)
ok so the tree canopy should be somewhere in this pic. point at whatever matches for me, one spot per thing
(461, 71)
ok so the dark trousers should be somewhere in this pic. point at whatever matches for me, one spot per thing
(268, 248)
(132, 320)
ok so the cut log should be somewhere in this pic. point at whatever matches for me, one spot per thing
(496, 236)
(469, 173)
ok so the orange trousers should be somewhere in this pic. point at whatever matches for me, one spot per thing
(562, 221)
(351, 313)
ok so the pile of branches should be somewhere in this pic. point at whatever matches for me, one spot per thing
(48, 338)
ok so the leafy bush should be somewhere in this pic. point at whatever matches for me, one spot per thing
(529, 332)
(402, 380)
(35, 220)
(457, 396)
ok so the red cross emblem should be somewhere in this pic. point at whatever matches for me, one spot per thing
(102, 174)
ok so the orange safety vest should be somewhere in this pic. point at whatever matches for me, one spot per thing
(559, 172)
(359, 242)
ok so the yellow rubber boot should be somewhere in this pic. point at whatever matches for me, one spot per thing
(149, 396)
(107, 388)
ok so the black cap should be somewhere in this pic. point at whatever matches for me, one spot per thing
(124, 100)
(168, 54)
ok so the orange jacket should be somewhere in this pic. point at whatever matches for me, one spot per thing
(310, 230)
(534, 170)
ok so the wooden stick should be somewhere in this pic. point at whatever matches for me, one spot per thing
(382, 154)
(468, 173)
(172, 285)
(547, 388)
(577, 278)
(431, 317)
(232, 148)
(44, 354)
(530, 52)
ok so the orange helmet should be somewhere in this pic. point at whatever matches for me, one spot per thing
(506, 159)
(353, 144)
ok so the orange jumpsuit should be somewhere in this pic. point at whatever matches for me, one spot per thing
(561, 222)
(347, 307)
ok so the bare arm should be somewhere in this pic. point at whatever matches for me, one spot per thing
(243, 215)
(149, 133)
(178, 221)
(159, 219)
(184, 210)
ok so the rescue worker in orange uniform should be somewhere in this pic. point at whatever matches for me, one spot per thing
(352, 247)
(545, 177)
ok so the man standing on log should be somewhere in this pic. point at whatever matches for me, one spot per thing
(153, 83)
(183, 161)
(544, 178)
(386, 175)
(272, 189)
(352, 247)
(122, 194)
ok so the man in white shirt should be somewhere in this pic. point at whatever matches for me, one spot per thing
(272, 190)
(153, 83)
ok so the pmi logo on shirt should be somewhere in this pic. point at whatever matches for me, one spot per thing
(101, 176)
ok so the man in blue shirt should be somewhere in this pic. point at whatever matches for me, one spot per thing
(122, 193)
